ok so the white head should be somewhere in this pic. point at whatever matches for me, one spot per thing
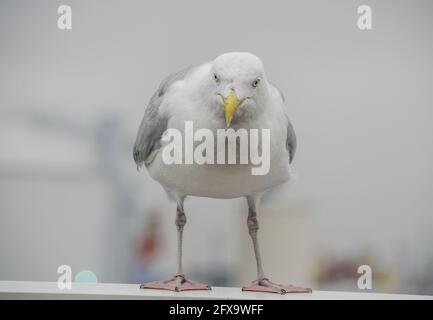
(239, 84)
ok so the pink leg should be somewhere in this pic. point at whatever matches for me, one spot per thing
(178, 282)
(262, 284)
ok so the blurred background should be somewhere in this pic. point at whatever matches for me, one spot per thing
(361, 103)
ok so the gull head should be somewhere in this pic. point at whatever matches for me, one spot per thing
(239, 83)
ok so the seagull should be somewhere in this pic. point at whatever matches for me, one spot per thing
(231, 91)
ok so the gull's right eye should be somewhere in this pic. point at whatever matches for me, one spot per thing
(216, 78)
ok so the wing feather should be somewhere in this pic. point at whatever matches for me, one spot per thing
(154, 123)
(290, 136)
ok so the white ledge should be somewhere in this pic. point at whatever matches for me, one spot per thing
(49, 290)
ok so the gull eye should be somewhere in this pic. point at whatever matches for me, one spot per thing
(215, 77)
(255, 83)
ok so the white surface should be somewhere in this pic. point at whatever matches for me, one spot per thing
(49, 290)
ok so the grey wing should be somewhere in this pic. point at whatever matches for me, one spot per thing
(291, 136)
(154, 123)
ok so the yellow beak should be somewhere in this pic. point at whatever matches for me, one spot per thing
(231, 103)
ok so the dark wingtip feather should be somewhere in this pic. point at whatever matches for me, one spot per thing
(136, 155)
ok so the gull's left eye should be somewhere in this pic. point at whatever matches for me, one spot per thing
(255, 83)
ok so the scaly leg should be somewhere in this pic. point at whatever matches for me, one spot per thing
(262, 284)
(178, 282)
